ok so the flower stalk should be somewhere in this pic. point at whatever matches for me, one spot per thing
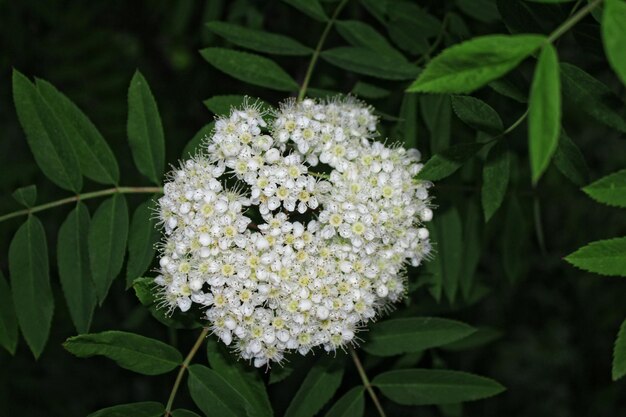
(183, 368)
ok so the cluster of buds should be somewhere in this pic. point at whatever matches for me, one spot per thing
(292, 229)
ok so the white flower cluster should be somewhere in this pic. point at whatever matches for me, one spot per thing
(338, 216)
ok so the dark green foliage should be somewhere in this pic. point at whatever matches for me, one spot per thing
(212, 394)
(130, 351)
(142, 238)
(317, 389)
(144, 129)
(544, 112)
(393, 337)
(145, 409)
(30, 283)
(472, 64)
(242, 378)
(46, 136)
(250, 68)
(8, 321)
(107, 243)
(496, 172)
(426, 386)
(476, 86)
(74, 272)
(26, 195)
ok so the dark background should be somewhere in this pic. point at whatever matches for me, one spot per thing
(556, 324)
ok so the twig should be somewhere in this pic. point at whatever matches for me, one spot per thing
(318, 49)
(366, 382)
(79, 197)
(181, 371)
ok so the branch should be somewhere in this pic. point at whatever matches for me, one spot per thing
(80, 197)
(181, 371)
(318, 49)
(366, 382)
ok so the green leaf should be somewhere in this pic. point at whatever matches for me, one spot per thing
(107, 243)
(30, 282)
(259, 40)
(368, 62)
(317, 389)
(470, 65)
(223, 105)
(544, 112)
(279, 373)
(446, 163)
(477, 114)
(407, 126)
(514, 240)
(363, 35)
(144, 130)
(26, 196)
(521, 17)
(370, 91)
(614, 35)
(321, 93)
(129, 350)
(482, 337)
(482, 10)
(619, 354)
(351, 404)
(446, 231)
(74, 272)
(428, 386)
(410, 26)
(46, 137)
(609, 190)
(472, 247)
(194, 146)
(592, 96)
(184, 413)
(570, 161)
(311, 8)
(436, 111)
(142, 238)
(408, 335)
(508, 88)
(212, 394)
(550, 1)
(496, 172)
(250, 68)
(144, 409)
(243, 379)
(604, 257)
(95, 157)
(8, 319)
(377, 8)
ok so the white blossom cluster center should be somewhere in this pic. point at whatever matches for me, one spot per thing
(292, 229)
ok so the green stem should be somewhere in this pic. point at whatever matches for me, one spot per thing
(79, 197)
(435, 45)
(183, 368)
(576, 6)
(538, 227)
(567, 25)
(515, 124)
(558, 32)
(366, 382)
(318, 49)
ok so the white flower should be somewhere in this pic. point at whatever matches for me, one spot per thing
(332, 240)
